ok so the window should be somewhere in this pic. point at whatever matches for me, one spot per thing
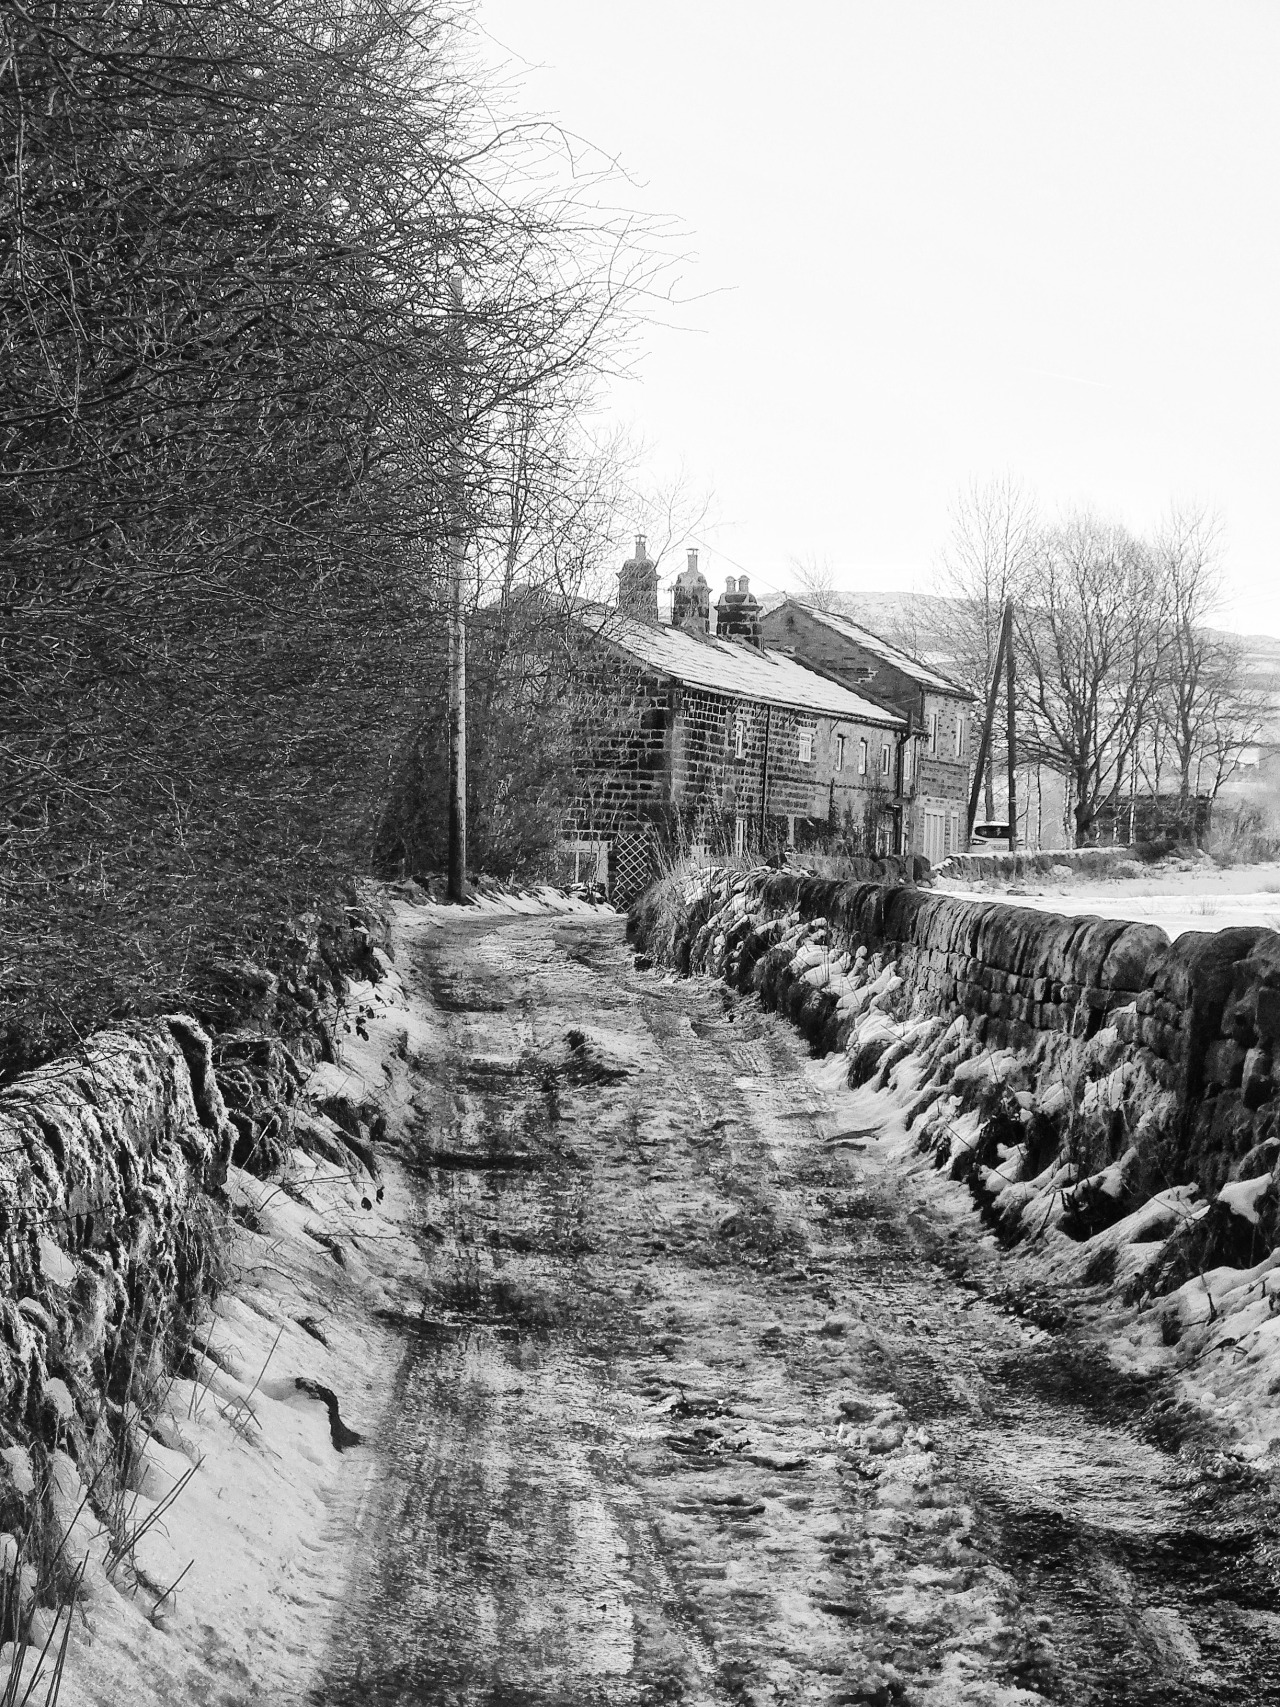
(862, 758)
(740, 836)
(933, 733)
(806, 746)
(884, 758)
(839, 752)
(908, 762)
(739, 741)
(960, 737)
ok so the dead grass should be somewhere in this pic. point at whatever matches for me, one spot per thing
(663, 909)
(33, 1676)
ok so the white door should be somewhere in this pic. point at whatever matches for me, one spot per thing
(935, 836)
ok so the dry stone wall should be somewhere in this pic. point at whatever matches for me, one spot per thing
(106, 1163)
(1093, 1054)
(1118, 861)
(115, 1229)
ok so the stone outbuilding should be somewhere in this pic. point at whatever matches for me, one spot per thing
(939, 713)
(701, 735)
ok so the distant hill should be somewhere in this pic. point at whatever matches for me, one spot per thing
(915, 621)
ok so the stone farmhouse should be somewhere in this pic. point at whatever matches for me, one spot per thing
(701, 735)
(938, 713)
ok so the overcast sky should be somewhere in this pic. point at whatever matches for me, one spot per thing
(938, 239)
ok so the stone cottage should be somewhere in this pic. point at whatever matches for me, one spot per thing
(938, 712)
(698, 734)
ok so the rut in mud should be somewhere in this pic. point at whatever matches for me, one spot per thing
(699, 1407)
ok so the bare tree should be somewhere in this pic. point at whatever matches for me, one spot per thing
(668, 508)
(230, 396)
(1090, 658)
(815, 582)
(987, 560)
(1207, 712)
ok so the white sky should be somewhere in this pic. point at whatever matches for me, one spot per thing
(938, 239)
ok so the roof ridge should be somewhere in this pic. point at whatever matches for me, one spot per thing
(829, 617)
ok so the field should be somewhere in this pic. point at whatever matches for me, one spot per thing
(1178, 895)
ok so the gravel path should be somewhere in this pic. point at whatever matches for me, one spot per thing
(699, 1407)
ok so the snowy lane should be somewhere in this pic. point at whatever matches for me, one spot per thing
(702, 1406)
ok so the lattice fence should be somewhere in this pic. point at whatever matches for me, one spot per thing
(632, 868)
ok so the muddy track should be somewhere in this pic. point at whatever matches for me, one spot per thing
(700, 1406)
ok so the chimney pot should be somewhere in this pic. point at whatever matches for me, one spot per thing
(738, 614)
(691, 599)
(638, 585)
(693, 560)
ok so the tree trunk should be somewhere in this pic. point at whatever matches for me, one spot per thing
(1084, 816)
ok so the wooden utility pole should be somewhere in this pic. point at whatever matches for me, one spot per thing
(1012, 726)
(905, 825)
(457, 553)
(1004, 646)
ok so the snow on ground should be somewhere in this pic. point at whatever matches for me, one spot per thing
(1218, 1335)
(541, 898)
(257, 1538)
(261, 1533)
(1177, 895)
(239, 1535)
(493, 895)
(758, 1501)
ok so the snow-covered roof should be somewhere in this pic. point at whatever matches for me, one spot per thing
(911, 667)
(733, 667)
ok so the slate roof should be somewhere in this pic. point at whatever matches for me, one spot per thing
(732, 667)
(910, 667)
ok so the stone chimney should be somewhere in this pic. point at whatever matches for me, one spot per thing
(638, 585)
(691, 599)
(738, 613)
